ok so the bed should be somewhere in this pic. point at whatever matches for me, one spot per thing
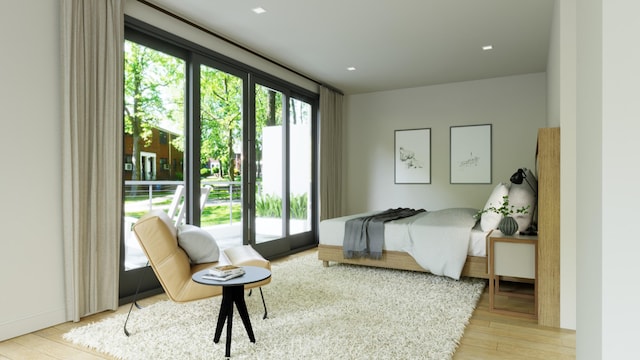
(398, 246)
(409, 240)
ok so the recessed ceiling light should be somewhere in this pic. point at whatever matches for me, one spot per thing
(487, 47)
(351, 68)
(259, 10)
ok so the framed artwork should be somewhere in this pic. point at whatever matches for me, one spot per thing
(413, 156)
(470, 154)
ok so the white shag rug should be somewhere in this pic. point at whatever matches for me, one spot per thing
(338, 312)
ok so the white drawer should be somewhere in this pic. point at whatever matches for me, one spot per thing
(514, 259)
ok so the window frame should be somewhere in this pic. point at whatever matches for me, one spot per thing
(193, 54)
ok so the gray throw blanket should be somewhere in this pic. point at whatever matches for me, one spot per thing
(364, 236)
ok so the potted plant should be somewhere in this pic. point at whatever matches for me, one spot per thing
(508, 224)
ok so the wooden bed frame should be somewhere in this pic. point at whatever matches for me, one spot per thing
(475, 266)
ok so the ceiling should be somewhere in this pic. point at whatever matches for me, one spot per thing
(392, 44)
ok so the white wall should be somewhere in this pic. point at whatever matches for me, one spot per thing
(589, 168)
(31, 259)
(620, 193)
(607, 128)
(561, 111)
(515, 106)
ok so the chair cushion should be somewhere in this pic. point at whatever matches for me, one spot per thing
(198, 243)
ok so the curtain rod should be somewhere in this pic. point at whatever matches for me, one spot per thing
(229, 41)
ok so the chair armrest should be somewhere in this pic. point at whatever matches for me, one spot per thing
(246, 256)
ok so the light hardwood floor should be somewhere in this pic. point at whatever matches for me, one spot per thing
(488, 336)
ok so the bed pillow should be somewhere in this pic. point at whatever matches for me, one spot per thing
(490, 219)
(199, 244)
(522, 195)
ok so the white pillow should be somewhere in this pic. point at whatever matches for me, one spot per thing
(521, 195)
(490, 219)
(199, 244)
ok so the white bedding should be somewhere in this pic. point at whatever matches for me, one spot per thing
(398, 237)
(440, 240)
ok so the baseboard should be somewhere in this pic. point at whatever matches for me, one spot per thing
(35, 322)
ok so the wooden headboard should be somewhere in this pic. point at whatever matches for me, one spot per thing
(548, 169)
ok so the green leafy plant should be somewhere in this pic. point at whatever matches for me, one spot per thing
(505, 209)
(271, 206)
(299, 206)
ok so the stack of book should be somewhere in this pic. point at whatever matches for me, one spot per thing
(223, 272)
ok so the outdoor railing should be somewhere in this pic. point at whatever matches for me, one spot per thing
(144, 195)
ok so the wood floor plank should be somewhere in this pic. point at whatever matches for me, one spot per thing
(536, 351)
(11, 349)
(517, 334)
(482, 354)
(478, 341)
(55, 349)
(543, 335)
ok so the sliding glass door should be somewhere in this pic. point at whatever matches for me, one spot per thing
(153, 164)
(283, 168)
(221, 123)
(268, 147)
(301, 201)
(212, 143)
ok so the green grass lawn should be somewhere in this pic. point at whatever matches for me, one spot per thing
(219, 214)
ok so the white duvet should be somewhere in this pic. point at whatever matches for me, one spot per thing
(439, 241)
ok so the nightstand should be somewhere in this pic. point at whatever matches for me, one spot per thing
(513, 257)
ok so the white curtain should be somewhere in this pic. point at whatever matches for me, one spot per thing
(92, 70)
(330, 153)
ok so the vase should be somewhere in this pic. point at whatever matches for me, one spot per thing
(508, 225)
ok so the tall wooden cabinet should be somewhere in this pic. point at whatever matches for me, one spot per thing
(548, 172)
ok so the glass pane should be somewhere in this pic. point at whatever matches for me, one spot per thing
(300, 166)
(268, 148)
(221, 154)
(154, 88)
